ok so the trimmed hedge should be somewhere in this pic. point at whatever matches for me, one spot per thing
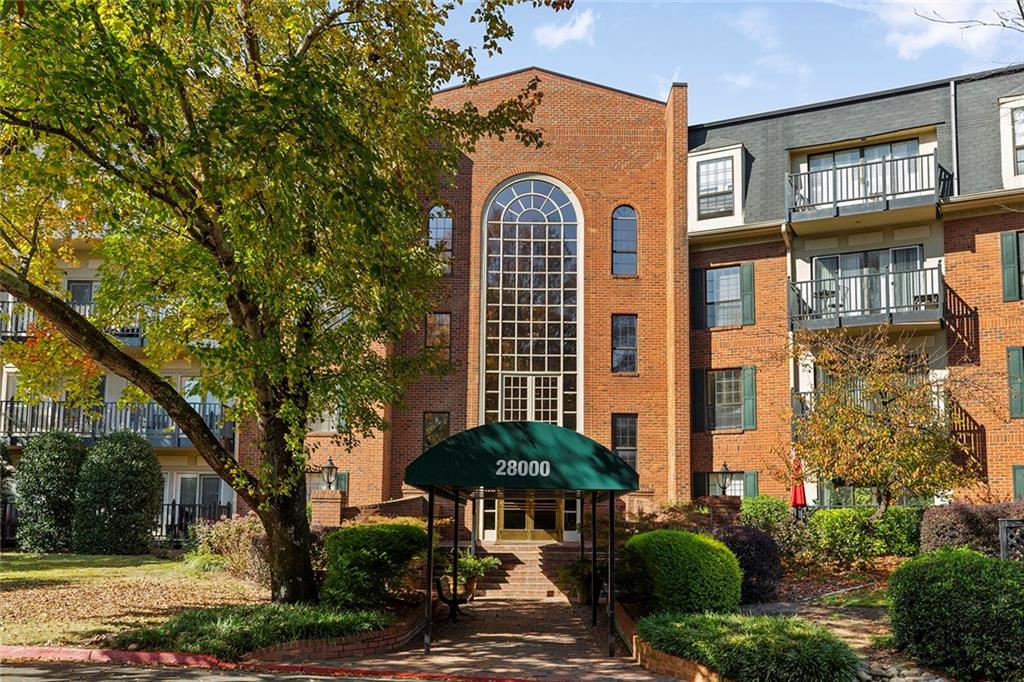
(773, 516)
(962, 611)
(753, 648)
(48, 473)
(229, 632)
(759, 559)
(850, 536)
(681, 572)
(966, 525)
(368, 565)
(899, 530)
(118, 497)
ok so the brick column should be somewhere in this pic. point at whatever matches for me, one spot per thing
(329, 507)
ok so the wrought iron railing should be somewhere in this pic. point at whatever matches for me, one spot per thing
(17, 321)
(175, 519)
(20, 420)
(915, 292)
(869, 181)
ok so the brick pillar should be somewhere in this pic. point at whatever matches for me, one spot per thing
(328, 507)
(725, 509)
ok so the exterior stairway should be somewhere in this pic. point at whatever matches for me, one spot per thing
(527, 571)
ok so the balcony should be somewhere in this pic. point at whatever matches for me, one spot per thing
(17, 321)
(867, 187)
(19, 421)
(914, 298)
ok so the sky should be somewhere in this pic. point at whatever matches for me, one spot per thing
(742, 57)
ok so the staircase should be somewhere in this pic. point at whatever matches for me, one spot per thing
(528, 571)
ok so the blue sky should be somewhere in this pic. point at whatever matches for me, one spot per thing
(742, 57)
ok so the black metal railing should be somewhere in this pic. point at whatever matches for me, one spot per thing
(17, 321)
(914, 295)
(883, 180)
(8, 523)
(20, 420)
(175, 519)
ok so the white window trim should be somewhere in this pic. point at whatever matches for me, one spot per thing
(1006, 105)
(739, 182)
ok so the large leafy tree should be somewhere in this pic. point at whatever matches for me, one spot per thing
(252, 173)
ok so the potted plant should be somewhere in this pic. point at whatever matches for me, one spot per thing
(471, 569)
(575, 579)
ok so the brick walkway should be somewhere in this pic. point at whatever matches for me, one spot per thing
(543, 640)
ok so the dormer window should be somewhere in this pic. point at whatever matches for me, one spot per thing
(715, 195)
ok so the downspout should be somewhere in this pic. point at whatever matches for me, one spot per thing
(954, 138)
(787, 238)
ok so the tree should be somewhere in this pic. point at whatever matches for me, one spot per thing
(253, 174)
(48, 475)
(879, 418)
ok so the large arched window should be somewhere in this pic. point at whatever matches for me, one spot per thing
(624, 241)
(439, 233)
(532, 317)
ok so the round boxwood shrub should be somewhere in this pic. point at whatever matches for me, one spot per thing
(118, 497)
(962, 611)
(764, 512)
(368, 565)
(48, 474)
(681, 572)
(759, 559)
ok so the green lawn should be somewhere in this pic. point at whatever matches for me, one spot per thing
(73, 599)
(865, 598)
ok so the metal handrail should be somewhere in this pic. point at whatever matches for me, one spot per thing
(17, 320)
(867, 294)
(175, 519)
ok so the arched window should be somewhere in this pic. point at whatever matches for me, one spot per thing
(439, 228)
(624, 241)
(532, 319)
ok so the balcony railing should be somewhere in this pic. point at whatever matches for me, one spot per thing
(175, 519)
(18, 319)
(21, 420)
(867, 186)
(908, 297)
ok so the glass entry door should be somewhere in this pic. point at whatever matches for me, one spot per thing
(527, 517)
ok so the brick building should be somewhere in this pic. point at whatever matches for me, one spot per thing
(636, 278)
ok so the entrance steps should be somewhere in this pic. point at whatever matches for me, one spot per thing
(528, 571)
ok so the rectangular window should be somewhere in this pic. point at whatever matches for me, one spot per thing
(1018, 140)
(725, 399)
(733, 481)
(624, 437)
(1020, 259)
(723, 293)
(715, 188)
(624, 241)
(439, 333)
(623, 344)
(435, 428)
(439, 225)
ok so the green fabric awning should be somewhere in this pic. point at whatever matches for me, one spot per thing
(520, 456)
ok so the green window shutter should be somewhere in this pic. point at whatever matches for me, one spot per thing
(749, 484)
(747, 292)
(1018, 482)
(1011, 266)
(698, 399)
(700, 485)
(1015, 373)
(698, 302)
(749, 375)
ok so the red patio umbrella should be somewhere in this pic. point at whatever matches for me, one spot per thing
(798, 498)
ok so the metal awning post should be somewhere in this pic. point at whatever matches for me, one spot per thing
(580, 526)
(595, 594)
(472, 522)
(430, 570)
(453, 613)
(611, 573)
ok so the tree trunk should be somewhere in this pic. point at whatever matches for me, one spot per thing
(288, 536)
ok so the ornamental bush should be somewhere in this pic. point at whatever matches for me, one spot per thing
(759, 559)
(774, 517)
(966, 525)
(962, 611)
(682, 572)
(47, 478)
(899, 531)
(368, 565)
(845, 536)
(118, 497)
(753, 648)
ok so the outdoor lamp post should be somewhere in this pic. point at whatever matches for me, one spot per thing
(330, 472)
(722, 478)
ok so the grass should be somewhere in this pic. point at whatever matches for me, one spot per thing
(74, 599)
(866, 598)
(753, 648)
(230, 632)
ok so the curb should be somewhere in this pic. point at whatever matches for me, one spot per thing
(55, 654)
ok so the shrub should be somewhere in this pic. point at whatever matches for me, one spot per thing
(753, 648)
(47, 478)
(845, 536)
(674, 570)
(474, 566)
(774, 517)
(229, 632)
(118, 496)
(966, 525)
(960, 610)
(368, 565)
(899, 531)
(204, 562)
(233, 541)
(759, 559)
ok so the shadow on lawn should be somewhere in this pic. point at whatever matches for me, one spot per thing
(16, 562)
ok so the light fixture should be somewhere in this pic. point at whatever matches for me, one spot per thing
(329, 472)
(722, 478)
